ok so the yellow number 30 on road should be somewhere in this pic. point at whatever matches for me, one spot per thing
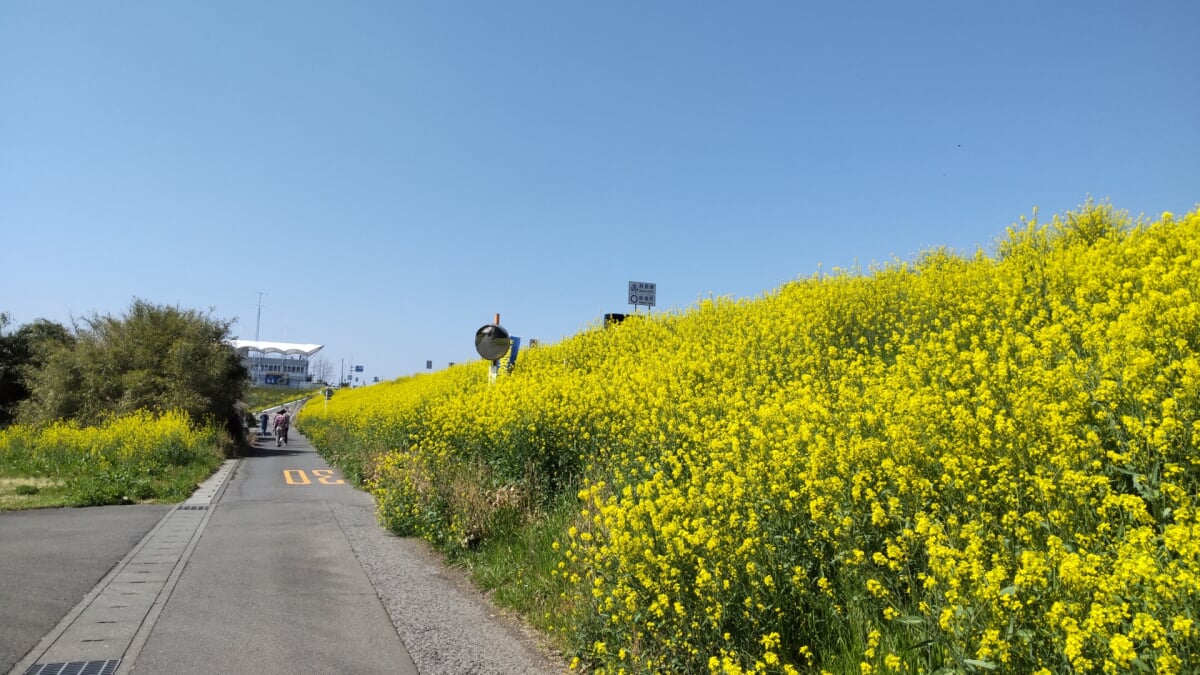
(300, 477)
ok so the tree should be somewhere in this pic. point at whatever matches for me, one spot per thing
(321, 369)
(22, 351)
(155, 358)
(12, 362)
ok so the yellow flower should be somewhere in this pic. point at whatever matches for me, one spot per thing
(1122, 650)
(983, 443)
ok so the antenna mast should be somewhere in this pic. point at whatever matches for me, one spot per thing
(258, 376)
(258, 319)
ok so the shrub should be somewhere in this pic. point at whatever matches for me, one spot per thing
(154, 358)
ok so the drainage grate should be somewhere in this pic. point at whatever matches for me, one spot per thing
(75, 668)
(194, 507)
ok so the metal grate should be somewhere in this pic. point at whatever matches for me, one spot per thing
(75, 668)
(194, 507)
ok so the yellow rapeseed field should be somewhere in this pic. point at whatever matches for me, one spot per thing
(130, 457)
(951, 464)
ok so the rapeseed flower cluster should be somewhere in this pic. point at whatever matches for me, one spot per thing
(127, 457)
(964, 462)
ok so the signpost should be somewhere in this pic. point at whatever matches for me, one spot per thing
(642, 293)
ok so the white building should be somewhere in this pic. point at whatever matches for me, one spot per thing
(278, 364)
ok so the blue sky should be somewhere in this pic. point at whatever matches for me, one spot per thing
(392, 174)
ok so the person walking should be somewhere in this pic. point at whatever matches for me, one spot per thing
(287, 424)
(280, 427)
(262, 420)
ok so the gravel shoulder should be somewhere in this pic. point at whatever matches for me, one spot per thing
(447, 624)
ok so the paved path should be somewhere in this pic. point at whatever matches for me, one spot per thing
(262, 570)
(51, 558)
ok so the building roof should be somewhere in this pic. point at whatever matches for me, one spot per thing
(266, 347)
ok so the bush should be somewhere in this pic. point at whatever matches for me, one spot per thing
(154, 358)
(21, 352)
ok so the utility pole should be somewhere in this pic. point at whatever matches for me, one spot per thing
(258, 360)
(258, 319)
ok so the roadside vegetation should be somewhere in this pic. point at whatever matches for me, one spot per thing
(116, 410)
(23, 351)
(139, 457)
(264, 398)
(955, 464)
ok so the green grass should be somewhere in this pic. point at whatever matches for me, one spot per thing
(516, 565)
(18, 493)
(263, 398)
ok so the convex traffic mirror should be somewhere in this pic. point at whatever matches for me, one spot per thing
(492, 341)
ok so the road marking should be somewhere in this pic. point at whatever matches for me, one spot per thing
(300, 477)
(326, 477)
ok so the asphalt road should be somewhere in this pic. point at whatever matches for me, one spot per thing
(274, 583)
(286, 571)
(51, 558)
